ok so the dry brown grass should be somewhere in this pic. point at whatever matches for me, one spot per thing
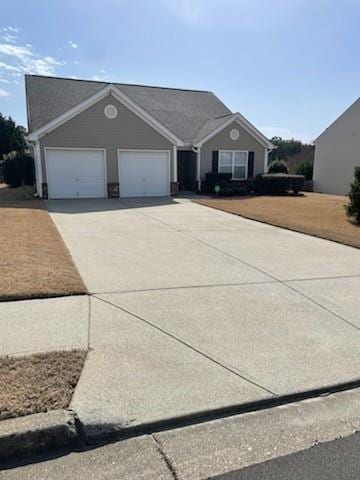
(316, 214)
(34, 261)
(38, 383)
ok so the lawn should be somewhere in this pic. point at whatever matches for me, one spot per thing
(34, 261)
(38, 383)
(316, 214)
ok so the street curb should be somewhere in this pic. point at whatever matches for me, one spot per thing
(32, 434)
(102, 433)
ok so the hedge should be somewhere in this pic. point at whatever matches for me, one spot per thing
(278, 183)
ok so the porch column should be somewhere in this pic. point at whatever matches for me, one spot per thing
(174, 186)
(38, 167)
(175, 175)
(198, 162)
(266, 160)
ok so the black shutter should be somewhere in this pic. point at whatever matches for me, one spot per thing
(215, 161)
(251, 164)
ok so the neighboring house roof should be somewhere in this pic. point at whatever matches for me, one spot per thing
(189, 115)
(340, 117)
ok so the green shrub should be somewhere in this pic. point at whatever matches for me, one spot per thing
(305, 168)
(18, 170)
(278, 166)
(353, 209)
(214, 179)
(278, 183)
(222, 185)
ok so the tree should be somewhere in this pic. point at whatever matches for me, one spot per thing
(306, 168)
(353, 209)
(12, 136)
(18, 170)
(284, 148)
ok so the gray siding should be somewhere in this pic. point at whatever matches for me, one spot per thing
(337, 152)
(91, 129)
(222, 141)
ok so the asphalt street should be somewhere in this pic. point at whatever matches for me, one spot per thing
(336, 460)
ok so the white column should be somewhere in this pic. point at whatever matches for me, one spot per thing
(266, 160)
(198, 163)
(175, 173)
(38, 168)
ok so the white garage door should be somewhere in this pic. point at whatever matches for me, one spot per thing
(75, 173)
(144, 174)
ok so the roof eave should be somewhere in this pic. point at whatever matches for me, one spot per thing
(85, 104)
(237, 117)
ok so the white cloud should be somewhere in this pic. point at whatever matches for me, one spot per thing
(15, 51)
(11, 29)
(72, 44)
(3, 80)
(26, 60)
(101, 78)
(191, 11)
(286, 133)
(3, 93)
(7, 37)
(9, 68)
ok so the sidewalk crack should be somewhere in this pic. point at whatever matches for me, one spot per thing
(166, 459)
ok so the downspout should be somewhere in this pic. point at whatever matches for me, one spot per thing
(35, 144)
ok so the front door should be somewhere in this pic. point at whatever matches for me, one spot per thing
(187, 170)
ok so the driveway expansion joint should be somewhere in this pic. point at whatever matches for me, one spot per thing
(270, 275)
(230, 369)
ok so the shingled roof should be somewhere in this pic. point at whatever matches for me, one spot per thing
(183, 112)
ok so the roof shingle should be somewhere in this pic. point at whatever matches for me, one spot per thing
(184, 112)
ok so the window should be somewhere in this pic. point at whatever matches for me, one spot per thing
(234, 162)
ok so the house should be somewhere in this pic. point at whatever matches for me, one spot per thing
(94, 139)
(337, 153)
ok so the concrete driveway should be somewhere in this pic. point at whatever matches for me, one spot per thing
(193, 309)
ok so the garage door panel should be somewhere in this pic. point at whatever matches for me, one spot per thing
(143, 174)
(76, 173)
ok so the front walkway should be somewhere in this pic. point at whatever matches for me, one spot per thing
(194, 309)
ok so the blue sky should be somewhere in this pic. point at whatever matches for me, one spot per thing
(290, 66)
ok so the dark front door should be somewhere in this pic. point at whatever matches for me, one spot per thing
(187, 170)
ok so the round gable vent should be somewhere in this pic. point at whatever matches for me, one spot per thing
(110, 111)
(234, 134)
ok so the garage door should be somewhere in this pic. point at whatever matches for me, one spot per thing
(144, 174)
(75, 173)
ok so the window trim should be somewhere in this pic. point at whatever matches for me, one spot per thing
(233, 162)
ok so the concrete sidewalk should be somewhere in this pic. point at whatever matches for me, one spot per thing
(194, 309)
(34, 326)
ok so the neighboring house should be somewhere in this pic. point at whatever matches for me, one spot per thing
(337, 152)
(95, 139)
